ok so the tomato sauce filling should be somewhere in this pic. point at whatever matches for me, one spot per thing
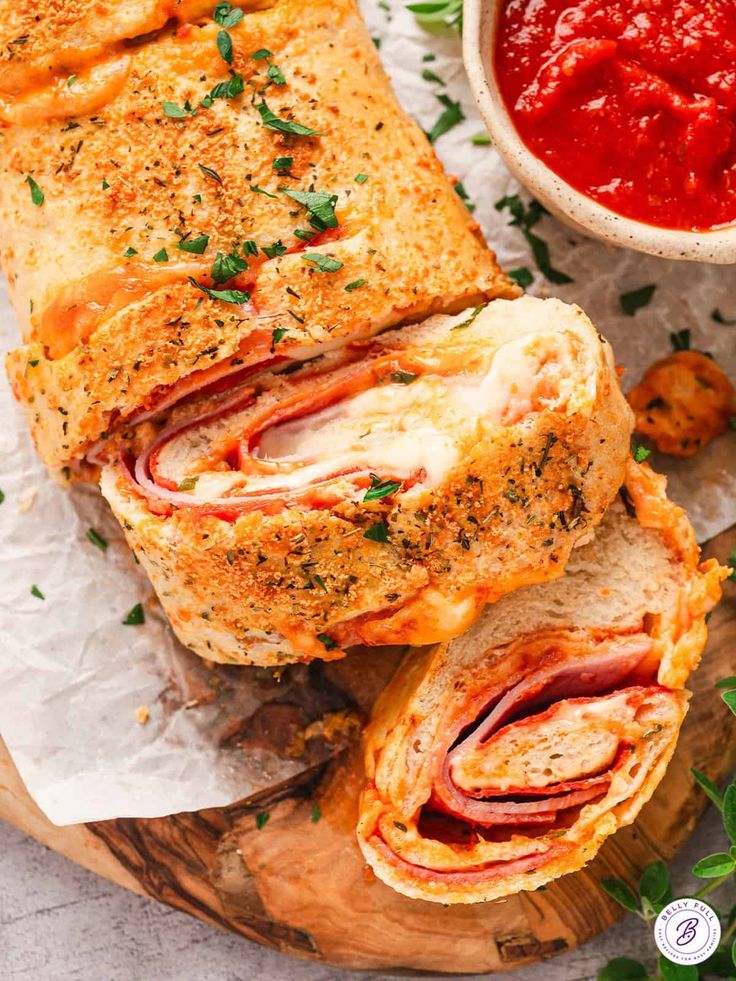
(632, 103)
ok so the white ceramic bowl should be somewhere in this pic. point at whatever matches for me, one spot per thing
(574, 208)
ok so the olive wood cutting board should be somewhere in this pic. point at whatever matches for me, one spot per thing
(298, 882)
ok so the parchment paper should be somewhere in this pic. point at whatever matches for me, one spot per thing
(75, 681)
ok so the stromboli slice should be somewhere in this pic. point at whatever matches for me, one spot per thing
(137, 203)
(505, 758)
(383, 493)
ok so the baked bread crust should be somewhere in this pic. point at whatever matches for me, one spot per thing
(109, 332)
(537, 451)
(615, 639)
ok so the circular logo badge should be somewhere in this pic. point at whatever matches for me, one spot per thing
(687, 931)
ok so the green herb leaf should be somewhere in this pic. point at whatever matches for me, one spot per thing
(97, 540)
(729, 697)
(641, 453)
(130, 251)
(356, 285)
(226, 15)
(618, 890)
(729, 810)
(320, 207)
(231, 88)
(466, 323)
(636, 299)
(259, 190)
(481, 139)
(381, 488)
(329, 643)
(2, 496)
(35, 591)
(177, 112)
(209, 172)
(275, 75)
(278, 334)
(361, 178)
(714, 866)
(316, 814)
(727, 683)
(196, 246)
(654, 882)
(70, 81)
(448, 13)
(105, 185)
(676, 972)
(272, 121)
(225, 46)
(680, 339)
(227, 266)
(324, 263)
(522, 276)
(227, 296)
(377, 532)
(37, 194)
(525, 217)
(262, 819)
(707, 785)
(403, 377)
(271, 251)
(451, 116)
(282, 163)
(161, 256)
(187, 484)
(262, 54)
(429, 76)
(136, 616)
(623, 969)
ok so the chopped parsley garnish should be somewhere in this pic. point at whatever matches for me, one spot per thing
(464, 196)
(136, 616)
(429, 76)
(329, 643)
(37, 194)
(275, 75)
(356, 285)
(320, 207)
(70, 81)
(720, 319)
(381, 488)
(225, 46)
(262, 54)
(641, 453)
(434, 13)
(130, 251)
(305, 234)
(97, 540)
(250, 247)
(197, 198)
(209, 172)
(188, 484)
(522, 276)
(196, 246)
(636, 299)
(262, 819)
(105, 185)
(403, 378)
(2, 496)
(161, 256)
(227, 296)
(226, 15)
(680, 339)
(525, 218)
(316, 814)
(277, 335)
(451, 116)
(377, 532)
(324, 263)
(35, 591)
(361, 178)
(481, 139)
(178, 112)
(429, 56)
(259, 190)
(278, 248)
(228, 89)
(272, 121)
(282, 163)
(320, 581)
(467, 322)
(227, 266)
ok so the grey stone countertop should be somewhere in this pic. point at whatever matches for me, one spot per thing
(59, 922)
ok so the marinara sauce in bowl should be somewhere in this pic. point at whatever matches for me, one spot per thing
(619, 115)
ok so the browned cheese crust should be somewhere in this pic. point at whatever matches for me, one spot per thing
(307, 582)
(106, 328)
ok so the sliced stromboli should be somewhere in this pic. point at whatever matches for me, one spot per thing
(382, 493)
(140, 172)
(505, 758)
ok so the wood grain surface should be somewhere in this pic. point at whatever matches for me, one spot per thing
(300, 885)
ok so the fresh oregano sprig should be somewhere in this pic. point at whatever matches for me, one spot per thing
(655, 892)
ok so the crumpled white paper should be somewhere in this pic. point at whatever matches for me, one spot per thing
(73, 678)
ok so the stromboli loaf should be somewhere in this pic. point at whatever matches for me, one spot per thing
(113, 327)
(383, 493)
(505, 759)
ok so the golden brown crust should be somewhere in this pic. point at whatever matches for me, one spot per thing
(637, 591)
(105, 333)
(520, 497)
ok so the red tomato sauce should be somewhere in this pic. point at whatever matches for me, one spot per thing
(632, 102)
